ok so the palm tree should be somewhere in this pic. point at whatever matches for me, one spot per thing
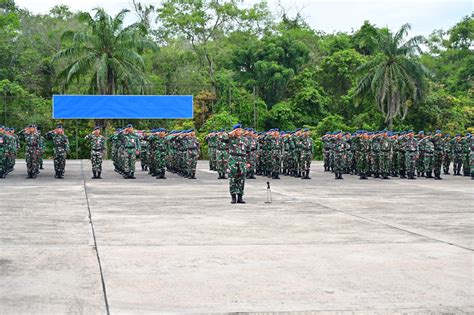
(106, 52)
(394, 77)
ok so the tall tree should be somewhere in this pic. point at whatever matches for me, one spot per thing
(204, 21)
(106, 52)
(394, 77)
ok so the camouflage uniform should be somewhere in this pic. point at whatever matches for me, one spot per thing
(222, 154)
(439, 149)
(97, 145)
(362, 159)
(237, 167)
(411, 155)
(339, 148)
(384, 157)
(458, 153)
(306, 155)
(144, 152)
(131, 144)
(61, 149)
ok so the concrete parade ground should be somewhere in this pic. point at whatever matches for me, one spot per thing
(120, 246)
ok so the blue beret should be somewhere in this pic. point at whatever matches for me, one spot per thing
(438, 131)
(306, 129)
(420, 132)
(458, 135)
(410, 131)
(96, 128)
(129, 126)
(298, 129)
(237, 126)
(59, 126)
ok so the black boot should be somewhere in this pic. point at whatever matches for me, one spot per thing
(402, 175)
(94, 175)
(362, 176)
(336, 175)
(340, 176)
(252, 175)
(234, 198)
(131, 175)
(2, 175)
(193, 175)
(437, 176)
(61, 174)
(56, 175)
(277, 175)
(239, 199)
(429, 175)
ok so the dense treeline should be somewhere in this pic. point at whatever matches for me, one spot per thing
(242, 65)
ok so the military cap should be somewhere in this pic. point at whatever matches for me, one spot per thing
(96, 128)
(59, 126)
(420, 132)
(129, 126)
(237, 126)
(438, 131)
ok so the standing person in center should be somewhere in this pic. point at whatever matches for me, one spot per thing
(131, 145)
(97, 144)
(61, 149)
(237, 164)
(306, 154)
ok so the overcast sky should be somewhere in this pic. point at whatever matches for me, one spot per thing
(327, 15)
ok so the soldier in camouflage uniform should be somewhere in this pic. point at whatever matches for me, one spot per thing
(252, 147)
(222, 153)
(326, 151)
(363, 156)
(211, 140)
(192, 153)
(275, 155)
(395, 158)
(61, 149)
(97, 144)
(466, 163)
(427, 146)
(339, 152)
(375, 155)
(439, 149)
(411, 155)
(420, 168)
(306, 143)
(4, 151)
(458, 152)
(42, 145)
(144, 152)
(131, 148)
(32, 140)
(385, 155)
(402, 154)
(447, 154)
(160, 153)
(237, 164)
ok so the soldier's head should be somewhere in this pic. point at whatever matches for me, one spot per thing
(2, 129)
(96, 131)
(458, 136)
(438, 133)
(410, 134)
(306, 132)
(192, 133)
(237, 130)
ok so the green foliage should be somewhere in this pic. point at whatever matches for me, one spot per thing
(394, 76)
(240, 63)
(105, 52)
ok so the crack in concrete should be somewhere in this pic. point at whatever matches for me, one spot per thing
(102, 279)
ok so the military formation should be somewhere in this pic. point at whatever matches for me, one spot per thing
(386, 154)
(159, 150)
(243, 153)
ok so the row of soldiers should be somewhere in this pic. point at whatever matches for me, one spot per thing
(269, 153)
(176, 151)
(35, 145)
(404, 154)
